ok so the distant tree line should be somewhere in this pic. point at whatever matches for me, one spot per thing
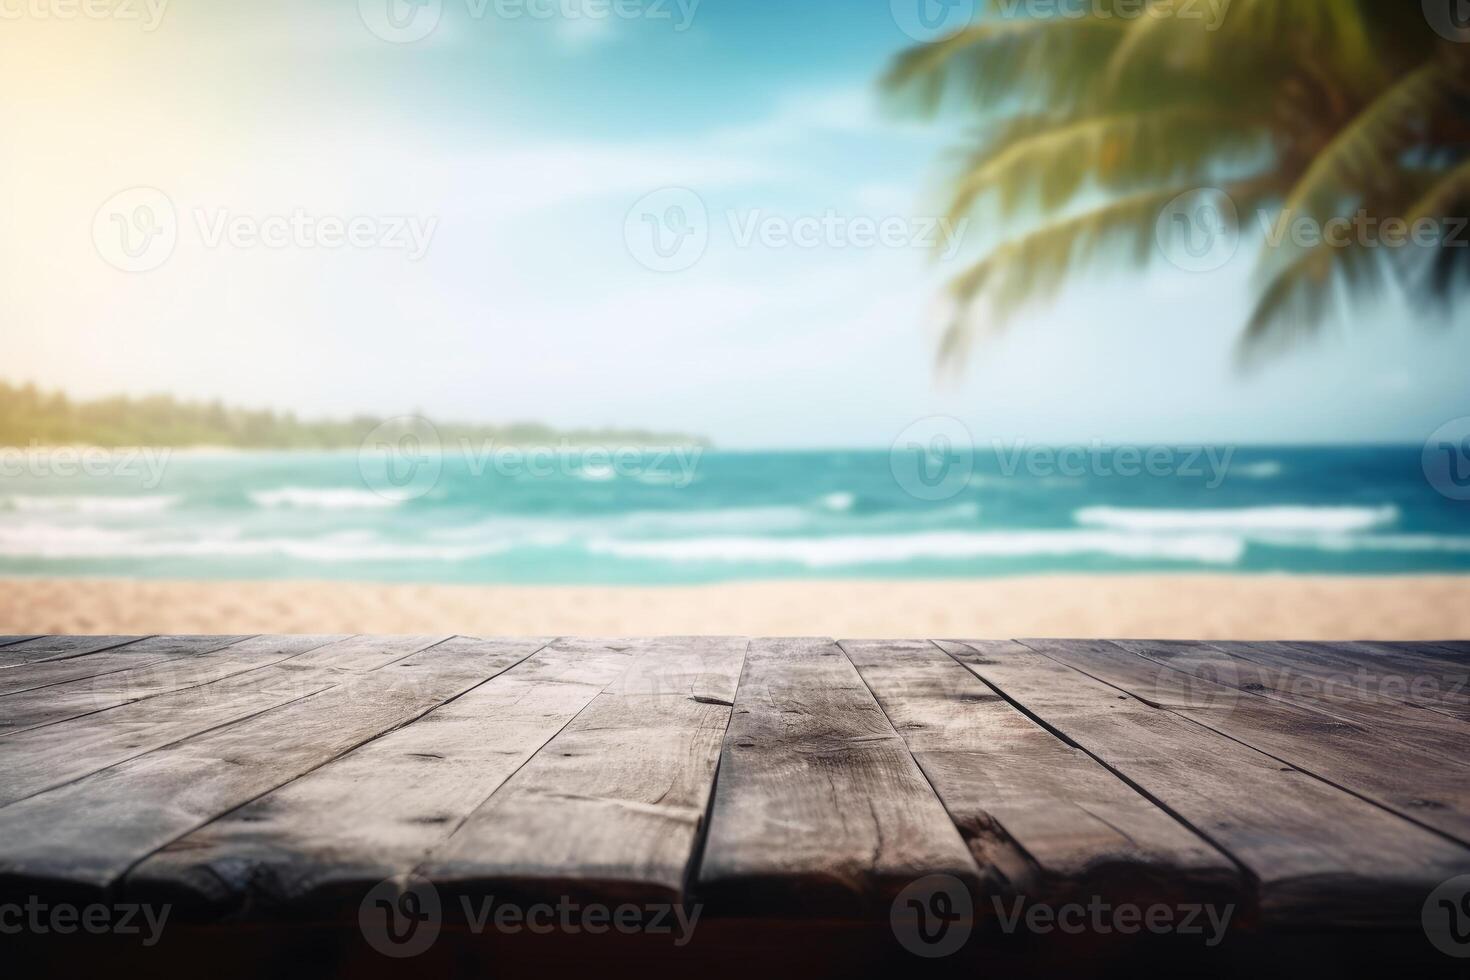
(29, 416)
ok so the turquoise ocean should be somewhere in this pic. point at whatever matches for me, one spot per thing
(715, 516)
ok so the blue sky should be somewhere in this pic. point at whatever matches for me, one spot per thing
(526, 143)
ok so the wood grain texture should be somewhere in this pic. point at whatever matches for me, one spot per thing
(1366, 760)
(1431, 683)
(122, 655)
(377, 812)
(1309, 846)
(612, 807)
(1374, 700)
(44, 758)
(1042, 818)
(61, 702)
(89, 832)
(19, 650)
(819, 803)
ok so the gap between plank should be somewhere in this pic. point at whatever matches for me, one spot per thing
(1247, 875)
(1240, 741)
(121, 880)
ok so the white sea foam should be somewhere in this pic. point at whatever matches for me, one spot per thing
(1265, 469)
(839, 502)
(597, 473)
(321, 498)
(1326, 520)
(30, 504)
(829, 552)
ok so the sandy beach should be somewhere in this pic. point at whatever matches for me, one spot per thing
(1157, 607)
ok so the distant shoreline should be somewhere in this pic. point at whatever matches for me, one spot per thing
(1142, 606)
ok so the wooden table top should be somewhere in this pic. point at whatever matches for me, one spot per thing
(911, 789)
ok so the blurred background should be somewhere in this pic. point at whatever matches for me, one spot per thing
(922, 317)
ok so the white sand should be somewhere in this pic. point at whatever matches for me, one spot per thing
(1150, 606)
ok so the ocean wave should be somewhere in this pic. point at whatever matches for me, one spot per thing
(1244, 520)
(1214, 549)
(1450, 543)
(321, 498)
(30, 504)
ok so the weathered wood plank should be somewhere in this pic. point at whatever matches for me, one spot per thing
(1439, 686)
(1319, 855)
(377, 811)
(819, 803)
(1373, 701)
(39, 649)
(154, 649)
(6, 641)
(1368, 761)
(73, 699)
(88, 833)
(1043, 818)
(44, 758)
(611, 808)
